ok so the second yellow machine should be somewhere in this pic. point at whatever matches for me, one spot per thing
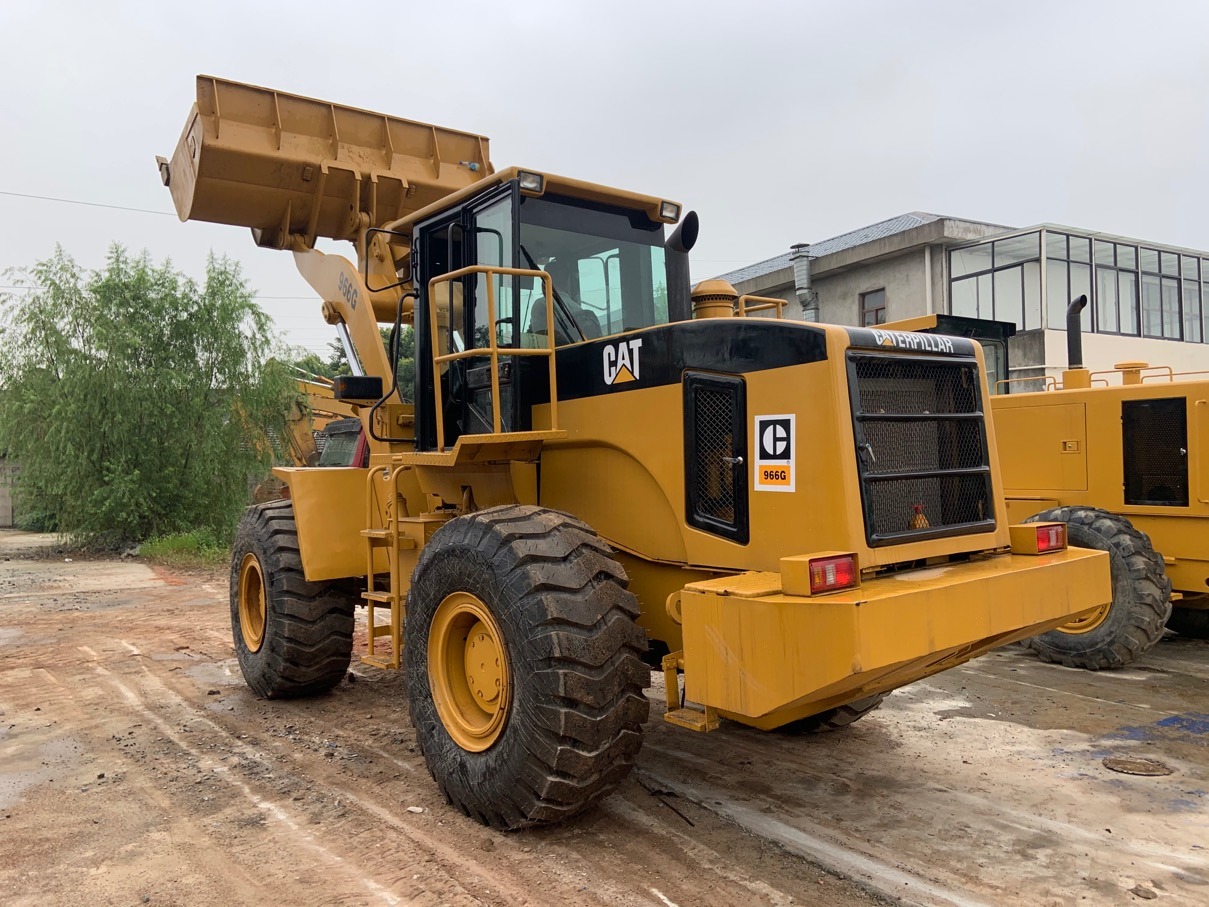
(602, 469)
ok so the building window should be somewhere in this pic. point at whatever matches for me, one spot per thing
(999, 280)
(873, 308)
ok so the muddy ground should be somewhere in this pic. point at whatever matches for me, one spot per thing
(135, 768)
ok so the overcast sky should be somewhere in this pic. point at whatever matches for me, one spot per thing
(778, 123)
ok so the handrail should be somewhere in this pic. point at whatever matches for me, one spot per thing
(1050, 386)
(1172, 375)
(762, 303)
(493, 347)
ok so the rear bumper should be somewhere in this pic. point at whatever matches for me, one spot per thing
(757, 654)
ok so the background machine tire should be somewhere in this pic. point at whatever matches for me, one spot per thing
(1127, 628)
(1190, 622)
(834, 719)
(292, 637)
(540, 593)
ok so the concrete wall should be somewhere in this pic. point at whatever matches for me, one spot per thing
(8, 472)
(1103, 351)
(1044, 353)
(902, 277)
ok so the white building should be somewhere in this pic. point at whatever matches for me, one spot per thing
(1147, 301)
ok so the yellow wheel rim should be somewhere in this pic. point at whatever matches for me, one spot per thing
(1087, 622)
(251, 603)
(468, 671)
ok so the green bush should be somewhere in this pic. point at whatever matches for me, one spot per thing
(199, 548)
(138, 403)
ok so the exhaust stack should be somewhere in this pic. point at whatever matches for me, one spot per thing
(1075, 375)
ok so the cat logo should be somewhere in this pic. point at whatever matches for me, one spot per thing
(774, 453)
(621, 361)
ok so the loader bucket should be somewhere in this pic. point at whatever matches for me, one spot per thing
(285, 165)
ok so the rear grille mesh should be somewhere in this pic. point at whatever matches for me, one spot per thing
(715, 441)
(921, 447)
(715, 477)
(1155, 441)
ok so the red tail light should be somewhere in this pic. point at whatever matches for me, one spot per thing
(1051, 537)
(827, 574)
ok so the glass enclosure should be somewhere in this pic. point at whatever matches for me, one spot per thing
(1132, 288)
(608, 269)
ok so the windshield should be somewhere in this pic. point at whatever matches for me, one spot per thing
(608, 268)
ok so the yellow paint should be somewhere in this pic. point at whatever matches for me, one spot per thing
(251, 602)
(1042, 470)
(751, 649)
(468, 671)
(329, 538)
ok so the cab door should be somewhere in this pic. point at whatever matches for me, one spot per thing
(483, 232)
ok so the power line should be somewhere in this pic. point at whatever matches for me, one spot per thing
(75, 201)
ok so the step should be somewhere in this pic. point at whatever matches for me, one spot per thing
(692, 719)
(378, 533)
(385, 598)
(381, 630)
(387, 664)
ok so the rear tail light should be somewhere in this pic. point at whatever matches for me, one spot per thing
(1037, 538)
(828, 574)
(1051, 537)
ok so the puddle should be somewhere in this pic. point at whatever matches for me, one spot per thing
(26, 767)
(220, 673)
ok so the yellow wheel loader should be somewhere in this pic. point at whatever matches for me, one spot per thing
(603, 469)
(1121, 457)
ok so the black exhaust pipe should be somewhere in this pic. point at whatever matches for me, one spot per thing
(1074, 332)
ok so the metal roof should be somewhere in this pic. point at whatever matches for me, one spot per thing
(839, 243)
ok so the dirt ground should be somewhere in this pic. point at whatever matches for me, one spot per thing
(135, 767)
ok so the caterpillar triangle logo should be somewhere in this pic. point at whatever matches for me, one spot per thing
(623, 375)
(621, 361)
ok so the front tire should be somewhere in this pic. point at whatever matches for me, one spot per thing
(292, 637)
(1127, 628)
(524, 666)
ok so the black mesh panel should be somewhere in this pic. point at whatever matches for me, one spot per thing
(1155, 437)
(921, 447)
(715, 442)
(714, 412)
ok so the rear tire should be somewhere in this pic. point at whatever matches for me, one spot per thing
(1141, 591)
(540, 592)
(834, 719)
(1190, 622)
(292, 637)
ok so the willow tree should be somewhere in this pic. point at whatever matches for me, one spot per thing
(137, 401)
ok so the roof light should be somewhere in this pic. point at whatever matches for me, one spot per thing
(829, 574)
(669, 211)
(531, 182)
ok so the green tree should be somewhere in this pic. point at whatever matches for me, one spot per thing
(137, 402)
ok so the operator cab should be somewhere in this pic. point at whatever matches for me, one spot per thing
(611, 269)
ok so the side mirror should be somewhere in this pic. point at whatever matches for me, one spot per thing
(357, 388)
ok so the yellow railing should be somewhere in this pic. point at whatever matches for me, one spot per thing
(1050, 382)
(746, 304)
(493, 349)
